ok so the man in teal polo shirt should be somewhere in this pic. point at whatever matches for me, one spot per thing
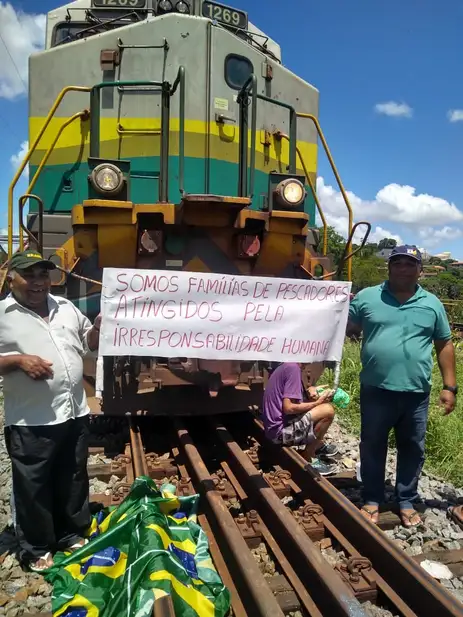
(400, 321)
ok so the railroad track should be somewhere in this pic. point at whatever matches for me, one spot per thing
(269, 520)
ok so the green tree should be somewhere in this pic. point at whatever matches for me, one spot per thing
(444, 285)
(387, 243)
(367, 271)
(369, 250)
(336, 244)
(434, 285)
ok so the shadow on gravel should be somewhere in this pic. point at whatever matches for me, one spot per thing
(8, 542)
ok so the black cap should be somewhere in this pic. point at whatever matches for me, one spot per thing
(27, 259)
(406, 251)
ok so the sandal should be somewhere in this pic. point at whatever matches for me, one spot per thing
(407, 518)
(42, 563)
(455, 514)
(77, 546)
(371, 512)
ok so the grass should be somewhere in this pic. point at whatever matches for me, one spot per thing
(444, 441)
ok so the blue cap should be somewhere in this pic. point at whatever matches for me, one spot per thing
(407, 251)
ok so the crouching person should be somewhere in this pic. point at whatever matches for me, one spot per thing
(292, 418)
(43, 339)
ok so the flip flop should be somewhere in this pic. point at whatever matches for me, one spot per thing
(371, 512)
(455, 514)
(407, 518)
(77, 546)
(42, 563)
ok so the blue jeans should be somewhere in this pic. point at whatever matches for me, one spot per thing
(407, 413)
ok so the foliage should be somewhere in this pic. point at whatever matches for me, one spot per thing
(366, 272)
(368, 269)
(444, 454)
(445, 434)
(336, 244)
(445, 285)
(387, 243)
(369, 250)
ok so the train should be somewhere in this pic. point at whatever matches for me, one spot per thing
(168, 135)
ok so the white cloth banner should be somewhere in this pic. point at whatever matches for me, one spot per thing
(222, 317)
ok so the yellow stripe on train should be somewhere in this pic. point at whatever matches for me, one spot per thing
(224, 142)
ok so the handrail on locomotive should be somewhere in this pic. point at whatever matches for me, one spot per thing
(246, 173)
(250, 89)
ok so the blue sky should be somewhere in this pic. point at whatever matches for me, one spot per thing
(391, 104)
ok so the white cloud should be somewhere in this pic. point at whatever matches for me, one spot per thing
(455, 115)
(395, 203)
(420, 217)
(380, 233)
(21, 35)
(17, 159)
(393, 109)
(432, 237)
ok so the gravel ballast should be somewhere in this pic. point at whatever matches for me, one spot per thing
(437, 533)
(24, 593)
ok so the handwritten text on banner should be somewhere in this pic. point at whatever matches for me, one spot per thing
(222, 317)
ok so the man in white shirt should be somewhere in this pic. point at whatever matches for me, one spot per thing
(43, 340)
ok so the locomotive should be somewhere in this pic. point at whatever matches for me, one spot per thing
(168, 135)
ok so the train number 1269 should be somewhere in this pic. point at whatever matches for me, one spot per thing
(225, 15)
(133, 4)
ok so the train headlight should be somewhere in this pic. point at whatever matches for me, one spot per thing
(290, 192)
(165, 6)
(182, 7)
(107, 179)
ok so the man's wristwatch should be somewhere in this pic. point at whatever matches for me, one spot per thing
(452, 389)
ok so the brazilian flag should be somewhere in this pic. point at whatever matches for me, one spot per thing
(149, 546)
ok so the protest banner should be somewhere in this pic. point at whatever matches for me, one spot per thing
(222, 317)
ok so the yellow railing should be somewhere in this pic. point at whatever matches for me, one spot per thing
(340, 184)
(83, 115)
(26, 160)
(281, 135)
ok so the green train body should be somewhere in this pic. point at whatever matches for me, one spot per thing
(158, 95)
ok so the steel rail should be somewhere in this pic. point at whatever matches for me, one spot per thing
(419, 590)
(385, 589)
(140, 466)
(219, 561)
(164, 607)
(224, 572)
(332, 596)
(285, 565)
(254, 590)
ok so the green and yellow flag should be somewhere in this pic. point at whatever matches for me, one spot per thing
(149, 546)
